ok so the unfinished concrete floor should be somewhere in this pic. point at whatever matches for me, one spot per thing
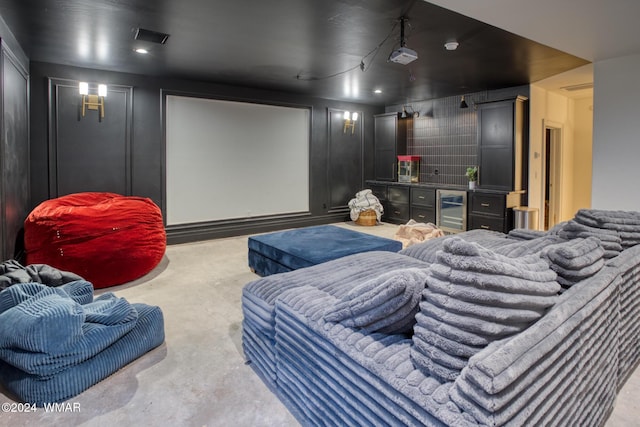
(198, 376)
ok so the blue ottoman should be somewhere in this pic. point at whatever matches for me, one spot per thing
(289, 250)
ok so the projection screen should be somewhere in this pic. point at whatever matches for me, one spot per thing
(229, 160)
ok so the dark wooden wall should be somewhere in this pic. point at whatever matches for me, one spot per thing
(88, 152)
(345, 159)
(60, 151)
(14, 143)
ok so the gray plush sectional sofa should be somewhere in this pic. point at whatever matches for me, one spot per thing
(529, 328)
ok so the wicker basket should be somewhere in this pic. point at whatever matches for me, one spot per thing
(367, 218)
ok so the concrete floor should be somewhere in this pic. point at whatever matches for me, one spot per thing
(198, 376)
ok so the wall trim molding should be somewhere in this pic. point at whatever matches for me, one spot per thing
(53, 86)
(219, 229)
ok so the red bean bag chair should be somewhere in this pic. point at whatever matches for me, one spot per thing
(106, 238)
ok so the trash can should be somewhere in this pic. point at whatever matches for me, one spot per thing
(525, 217)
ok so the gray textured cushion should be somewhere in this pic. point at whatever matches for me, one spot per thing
(575, 260)
(387, 303)
(626, 223)
(609, 239)
(475, 296)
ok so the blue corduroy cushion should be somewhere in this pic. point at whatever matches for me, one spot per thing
(147, 334)
(57, 342)
(293, 249)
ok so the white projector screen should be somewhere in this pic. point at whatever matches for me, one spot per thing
(227, 160)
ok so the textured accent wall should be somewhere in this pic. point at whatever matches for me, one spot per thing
(445, 136)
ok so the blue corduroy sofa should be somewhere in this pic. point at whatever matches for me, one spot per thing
(529, 328)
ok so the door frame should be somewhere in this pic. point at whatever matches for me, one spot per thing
(555, 173)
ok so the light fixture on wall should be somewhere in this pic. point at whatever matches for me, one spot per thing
(463, 103)
(93, 101)
(350, 120)
(408, 111)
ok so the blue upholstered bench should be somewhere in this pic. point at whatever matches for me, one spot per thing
(292, 249)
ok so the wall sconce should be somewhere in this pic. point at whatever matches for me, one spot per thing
(93, 101)
(408, 111)
(350, 120)
(463, 103)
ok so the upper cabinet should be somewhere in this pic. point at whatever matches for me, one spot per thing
(390, 137)
(502, 141)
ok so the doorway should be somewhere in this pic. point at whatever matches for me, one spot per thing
(552, 175)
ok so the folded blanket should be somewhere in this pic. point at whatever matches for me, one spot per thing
(414, 232)
(46, 330)
(12, 272)
(386, 304)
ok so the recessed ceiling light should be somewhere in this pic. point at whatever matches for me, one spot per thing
(377, 91)
(452, 45)
(142, 51)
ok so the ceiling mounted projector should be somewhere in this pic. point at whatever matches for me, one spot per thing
(403, 56)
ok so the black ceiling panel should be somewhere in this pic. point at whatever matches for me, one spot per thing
(336, 49)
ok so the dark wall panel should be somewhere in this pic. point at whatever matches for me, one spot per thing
(89, 153)
(146, 145)
(345, 171)
(14, 151)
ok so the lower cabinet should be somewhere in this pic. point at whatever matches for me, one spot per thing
(397, 209)
(491, 211)
(423, 204)
(487, 210)
(402, 202)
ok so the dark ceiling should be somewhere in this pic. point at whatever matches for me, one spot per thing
(301, 46)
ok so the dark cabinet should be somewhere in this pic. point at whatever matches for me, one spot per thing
(397, 209)
(378, 190)
(390, 140)
(423, 204)
(491, 211)
(402, 202)
(502, 133)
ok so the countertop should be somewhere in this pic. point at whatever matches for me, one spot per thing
(440, 186)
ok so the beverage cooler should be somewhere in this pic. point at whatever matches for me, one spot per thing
(451, 211)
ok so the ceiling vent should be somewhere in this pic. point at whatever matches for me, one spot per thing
(581, 86)
(151, 36)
